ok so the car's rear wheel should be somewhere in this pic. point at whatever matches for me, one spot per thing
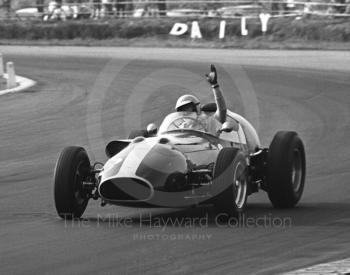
(230, 180)
(137, 133)
(285, 169)
(72, 168)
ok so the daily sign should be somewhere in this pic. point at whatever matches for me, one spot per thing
(181, 28)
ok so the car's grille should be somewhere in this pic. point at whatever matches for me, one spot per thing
(125, 189)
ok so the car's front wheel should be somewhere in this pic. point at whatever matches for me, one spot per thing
(285, 169)
(230, 180)
(72, 168)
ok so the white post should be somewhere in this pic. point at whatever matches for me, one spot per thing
(11, 75)
(1, 66)
(222, 29)
(244, 30)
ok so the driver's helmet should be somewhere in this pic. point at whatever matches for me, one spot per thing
(188, 99)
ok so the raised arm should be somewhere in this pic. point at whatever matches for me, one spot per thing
(212, 78)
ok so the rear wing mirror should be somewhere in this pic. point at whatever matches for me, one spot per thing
(152, 129)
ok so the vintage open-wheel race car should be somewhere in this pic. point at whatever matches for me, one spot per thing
(175, 166)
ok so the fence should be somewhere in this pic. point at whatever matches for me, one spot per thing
(101, 9)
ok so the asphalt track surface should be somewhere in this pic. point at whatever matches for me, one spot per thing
(88, 96)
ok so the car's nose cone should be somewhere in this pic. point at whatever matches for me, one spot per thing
(126, 189)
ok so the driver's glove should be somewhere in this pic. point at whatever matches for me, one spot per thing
(212, 77)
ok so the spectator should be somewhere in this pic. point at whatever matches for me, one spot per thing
(107, 7)
(55, 11)
(120, 7)
(59, 4)
(151, 9)
(347, 7)
(72, 8)
(307, 9)
(290, 5)
(332, 8)
(40, 6)
(276, 7)
(162, 7)
(7, 6)
(96, 9)
(337, 9)
(83, 9)
(129, 8)
(342, 8)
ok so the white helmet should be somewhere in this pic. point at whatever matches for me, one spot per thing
(187, 99)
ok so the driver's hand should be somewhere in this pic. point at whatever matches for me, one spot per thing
(212, 77)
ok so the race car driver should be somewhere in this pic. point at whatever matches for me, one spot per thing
(190, 105)
(190, 115)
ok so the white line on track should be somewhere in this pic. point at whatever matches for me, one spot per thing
(341, 267)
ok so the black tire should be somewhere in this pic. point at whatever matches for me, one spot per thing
(72, 166)
(286, 170)
(230, 167)
(137, 133)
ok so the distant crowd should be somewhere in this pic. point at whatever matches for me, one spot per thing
(85, 9)
(341, 8)
(325, 6)
(96, 9)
